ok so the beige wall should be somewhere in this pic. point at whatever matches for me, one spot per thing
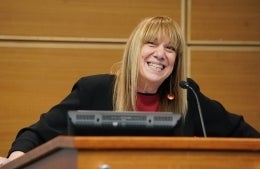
(45, 46)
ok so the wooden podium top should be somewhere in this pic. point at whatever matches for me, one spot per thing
(184, 143)
(138, 143)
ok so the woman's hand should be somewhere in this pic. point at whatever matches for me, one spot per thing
(3, 161)
(12, 156)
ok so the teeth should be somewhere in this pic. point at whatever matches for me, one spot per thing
(157, 67)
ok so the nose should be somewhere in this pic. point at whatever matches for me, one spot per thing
(159, 52)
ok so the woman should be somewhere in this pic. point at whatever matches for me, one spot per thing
(148, 80)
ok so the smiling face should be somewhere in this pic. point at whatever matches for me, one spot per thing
(153, 62)
(156, 64)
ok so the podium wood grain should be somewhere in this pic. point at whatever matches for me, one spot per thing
(142, 153)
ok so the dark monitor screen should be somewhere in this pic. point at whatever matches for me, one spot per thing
(111, 123)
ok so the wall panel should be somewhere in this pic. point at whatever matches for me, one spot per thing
(80, 18)
(231, 76)
(222, 21)
(35, 79)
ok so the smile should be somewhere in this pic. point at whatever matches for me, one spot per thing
(155, 66)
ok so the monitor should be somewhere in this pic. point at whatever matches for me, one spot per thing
(111, 123)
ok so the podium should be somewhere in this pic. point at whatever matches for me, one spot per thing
(67, 152)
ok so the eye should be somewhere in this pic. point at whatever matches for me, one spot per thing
(170, 48)
(151, 43)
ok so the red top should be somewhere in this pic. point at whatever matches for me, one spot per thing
(147, 102)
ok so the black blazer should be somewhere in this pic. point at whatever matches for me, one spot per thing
(95, 93)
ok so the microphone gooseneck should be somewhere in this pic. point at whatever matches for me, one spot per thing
(185, 85)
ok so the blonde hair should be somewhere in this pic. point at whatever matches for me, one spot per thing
(125, 90)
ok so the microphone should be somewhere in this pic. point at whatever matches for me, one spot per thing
(185, 85)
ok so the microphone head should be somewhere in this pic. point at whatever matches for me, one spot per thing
(184, 84)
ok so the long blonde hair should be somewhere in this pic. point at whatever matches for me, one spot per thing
(125, 90)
